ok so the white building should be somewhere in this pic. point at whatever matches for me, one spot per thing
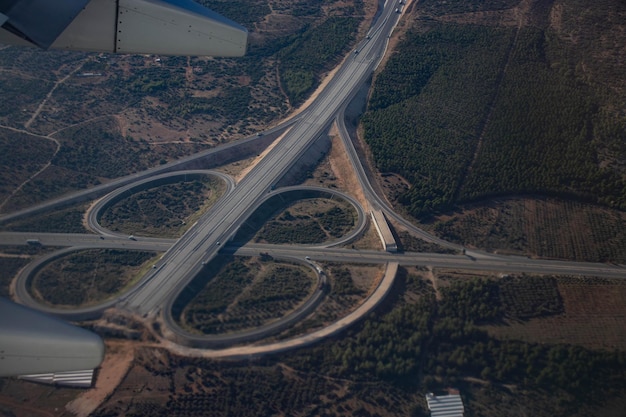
(450, 405)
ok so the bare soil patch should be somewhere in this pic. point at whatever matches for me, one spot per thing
(335, 170)
(369, 239)
(117, 361)
(366, 278)
(595, 312)
(538, 227)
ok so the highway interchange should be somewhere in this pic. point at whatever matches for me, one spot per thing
(184, 258)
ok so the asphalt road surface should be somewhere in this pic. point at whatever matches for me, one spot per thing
(184, 258)
(202, 242)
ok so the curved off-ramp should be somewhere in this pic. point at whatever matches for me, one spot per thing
(95, 212)
(176, 333)
(244, 352)
(356, 231)
(75, 314)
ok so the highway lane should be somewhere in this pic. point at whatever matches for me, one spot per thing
(248, 352)
(205, 239)
(502, 264)
(84, 240)
(77, 242)
(183, 260)
(217, 226)
(22, 292)
(498, 263)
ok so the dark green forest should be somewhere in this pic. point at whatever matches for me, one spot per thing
(428, 106)
(467, 112)
(312, 52)
(543, 133)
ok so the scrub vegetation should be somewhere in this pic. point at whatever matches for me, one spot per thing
(310, 221)
(165, 210)
(117, 114)
(10, 266)
(69, 220)
(88, 277)
(385, 365)
(302, 217)
(539, 227)
(242, 294)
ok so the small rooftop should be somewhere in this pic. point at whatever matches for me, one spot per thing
(450, 405)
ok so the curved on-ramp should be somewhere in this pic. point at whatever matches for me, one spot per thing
(177, 333)
(244, 352)
(95, 212)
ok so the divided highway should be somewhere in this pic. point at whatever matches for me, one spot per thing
(201, 243)
(184, 258)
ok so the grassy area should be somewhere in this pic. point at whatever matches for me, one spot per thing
(10, 266)
(242, 294)
(69, 220)
(410, 243)
(541, 227)
(582, 311)
(88, 277)
(165, 210)
(311, 221)
(348, 286)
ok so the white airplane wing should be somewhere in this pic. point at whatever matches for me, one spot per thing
(33, 343)
(163, 27)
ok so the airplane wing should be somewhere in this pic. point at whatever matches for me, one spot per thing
(163, 27)
(39, 21)
(33, 343)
